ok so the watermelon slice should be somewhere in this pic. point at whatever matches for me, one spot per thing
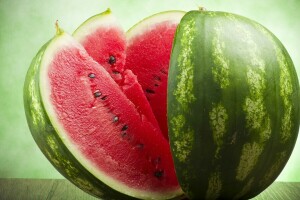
(90, 131)
(104, 40)
(153, 36)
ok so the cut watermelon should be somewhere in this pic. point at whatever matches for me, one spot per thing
(104, 40)
(90, 131)
(153, 36)
(92, 119)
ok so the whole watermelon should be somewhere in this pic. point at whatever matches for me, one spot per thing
(233, 106)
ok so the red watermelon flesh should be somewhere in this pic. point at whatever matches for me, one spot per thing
(148, 54)
(134, 92)
(101, 126)
(104, 40)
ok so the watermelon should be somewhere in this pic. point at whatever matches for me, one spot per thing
(88, 128)
(153, 36)
(233, 106)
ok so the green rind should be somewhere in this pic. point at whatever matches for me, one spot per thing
(51, 144)
(228, 109)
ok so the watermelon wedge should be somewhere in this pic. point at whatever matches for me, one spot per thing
(90, 131)
(153, 36)
(105, 41)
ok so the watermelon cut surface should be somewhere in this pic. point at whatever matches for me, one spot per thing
(87, 125)
(148, 54)
(134, 92)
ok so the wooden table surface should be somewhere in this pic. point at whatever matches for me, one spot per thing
(61, 189)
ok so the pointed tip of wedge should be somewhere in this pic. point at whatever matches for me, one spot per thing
(107, 11)
(59, 31)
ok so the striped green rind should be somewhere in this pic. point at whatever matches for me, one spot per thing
(233, 106)
(50, 142)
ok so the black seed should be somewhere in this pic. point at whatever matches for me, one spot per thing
(91, 75)
(112, 60)
(156, 85)
(159, 173)
(104, 98)
(124, 128)
(97, 93)
(116, 118)
(116, 72)
(150, 91)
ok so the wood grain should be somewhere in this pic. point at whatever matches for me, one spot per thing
(61, 189)
(40, 189)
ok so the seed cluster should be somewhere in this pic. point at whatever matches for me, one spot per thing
(157, 81)
(97, 93)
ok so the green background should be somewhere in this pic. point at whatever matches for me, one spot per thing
(27, 24)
